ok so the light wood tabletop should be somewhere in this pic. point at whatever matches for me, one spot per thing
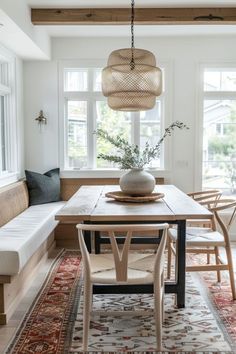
(91, 204)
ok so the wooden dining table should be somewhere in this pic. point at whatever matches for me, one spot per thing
(90, 205)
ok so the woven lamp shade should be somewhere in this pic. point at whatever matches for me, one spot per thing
(131, 85)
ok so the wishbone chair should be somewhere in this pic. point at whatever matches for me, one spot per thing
(208, 240)
(123, 267)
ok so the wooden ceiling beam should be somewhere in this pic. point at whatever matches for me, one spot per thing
(143, 16)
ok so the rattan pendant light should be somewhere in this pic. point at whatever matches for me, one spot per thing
(131, 81)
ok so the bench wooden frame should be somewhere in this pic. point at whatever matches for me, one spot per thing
(13, 288)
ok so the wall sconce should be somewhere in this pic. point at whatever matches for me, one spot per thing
(41, 119)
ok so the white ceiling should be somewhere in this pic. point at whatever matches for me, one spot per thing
(14, 38)
(140, 31)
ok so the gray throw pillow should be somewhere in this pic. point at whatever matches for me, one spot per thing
(43, 188)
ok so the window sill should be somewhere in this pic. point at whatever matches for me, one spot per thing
(8, 178)
(106, 173)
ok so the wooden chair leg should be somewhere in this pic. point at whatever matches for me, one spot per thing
(208, 258)
(91, 301)
(162, 298)
(217, 254)
(86, 313)
(231, 271)
(158, 315)
(169, 258)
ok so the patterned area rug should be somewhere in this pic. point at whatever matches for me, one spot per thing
(194, 328)
(54, 325)
(48, 323)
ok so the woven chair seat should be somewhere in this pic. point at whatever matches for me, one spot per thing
(200, 236)
(140, 268)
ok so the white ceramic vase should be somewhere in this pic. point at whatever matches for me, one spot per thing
(137, 182)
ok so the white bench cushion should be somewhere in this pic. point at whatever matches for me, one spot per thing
(22, 236)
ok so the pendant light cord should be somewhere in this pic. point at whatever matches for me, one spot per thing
(132, 64)
(132, 24)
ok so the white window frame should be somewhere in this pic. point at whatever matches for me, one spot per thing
(8, 90)
(163, 171)
(201, 96)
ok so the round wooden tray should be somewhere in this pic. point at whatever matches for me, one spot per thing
(123, 197)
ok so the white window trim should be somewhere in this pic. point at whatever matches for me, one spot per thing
(199, 118)
(113, 172)
(12, 175)
(9, 178)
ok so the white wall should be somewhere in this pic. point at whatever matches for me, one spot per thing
(184, 56)
(41, 92)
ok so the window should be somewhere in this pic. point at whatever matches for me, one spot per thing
(8, 119)
(85, 110)
(219, 135)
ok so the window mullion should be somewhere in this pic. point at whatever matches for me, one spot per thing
(90, 137)
(90, 121)
(135, 128)
(165, 147)
(1, 142)
(8, 131)
(66, 121)
(219, 95)
(9, 134)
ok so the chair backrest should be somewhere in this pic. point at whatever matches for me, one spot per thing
(121, 256)
(216, 206)
(205, 195)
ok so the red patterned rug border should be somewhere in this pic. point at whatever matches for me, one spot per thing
(26, 323)
(205, 287)
(222, 322)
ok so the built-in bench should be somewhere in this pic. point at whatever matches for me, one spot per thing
(26, 236)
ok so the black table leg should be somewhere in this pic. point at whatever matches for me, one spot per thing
(87, 239)
(97, 242)
(181, 263)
